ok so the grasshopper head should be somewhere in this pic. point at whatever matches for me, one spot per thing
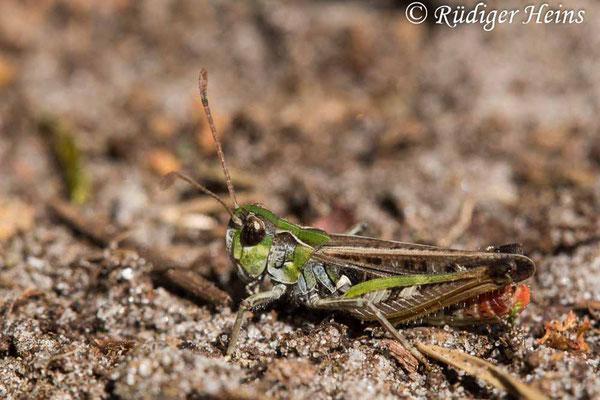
(248, 240)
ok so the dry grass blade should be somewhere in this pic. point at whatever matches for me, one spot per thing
(481, 369)
(70, 158)
(462, 224)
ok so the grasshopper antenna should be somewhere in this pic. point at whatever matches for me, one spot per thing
(202, 85)
(170, 178)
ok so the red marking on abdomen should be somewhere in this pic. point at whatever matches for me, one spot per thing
(499, 302)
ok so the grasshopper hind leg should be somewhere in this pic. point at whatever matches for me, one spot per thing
(361, 304)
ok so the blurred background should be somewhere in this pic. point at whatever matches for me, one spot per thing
(330, 113)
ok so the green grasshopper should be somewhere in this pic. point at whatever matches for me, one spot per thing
(375, 280)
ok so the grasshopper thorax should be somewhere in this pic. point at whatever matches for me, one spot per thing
(260, 242)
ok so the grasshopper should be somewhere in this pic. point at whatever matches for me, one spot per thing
(376, 280)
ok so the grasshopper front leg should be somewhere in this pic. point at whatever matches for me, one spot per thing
(248, 304)
(358, 303)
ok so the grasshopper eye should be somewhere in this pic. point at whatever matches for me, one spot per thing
(253, 232)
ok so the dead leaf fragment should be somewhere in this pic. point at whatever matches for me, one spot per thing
(162, 161)
(163, 126)
(8, 72)
(14, 216)
(113, 347)
(567, 334)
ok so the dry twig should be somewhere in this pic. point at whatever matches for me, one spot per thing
(591, 306)
(166, 269)
(408, 362)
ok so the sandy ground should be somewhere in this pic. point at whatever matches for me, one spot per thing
(331, 113)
